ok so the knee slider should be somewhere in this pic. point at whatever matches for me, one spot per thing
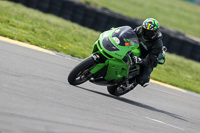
(143, 81)
(145, 84)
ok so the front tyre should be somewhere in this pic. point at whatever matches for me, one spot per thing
(79, 74)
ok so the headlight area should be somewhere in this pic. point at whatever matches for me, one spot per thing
(102, 51)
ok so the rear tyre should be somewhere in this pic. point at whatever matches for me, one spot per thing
(80, 73)
(117, 90)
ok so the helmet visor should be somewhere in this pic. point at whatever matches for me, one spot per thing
(149, 34)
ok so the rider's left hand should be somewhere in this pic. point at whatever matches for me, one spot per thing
(137, 60)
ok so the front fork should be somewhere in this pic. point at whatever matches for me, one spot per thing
(92, 71)
(95, 57)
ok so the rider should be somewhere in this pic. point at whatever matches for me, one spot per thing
(150, 40)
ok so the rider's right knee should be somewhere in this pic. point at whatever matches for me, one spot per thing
(143, 81)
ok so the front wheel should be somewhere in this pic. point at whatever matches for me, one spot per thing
(80, 73)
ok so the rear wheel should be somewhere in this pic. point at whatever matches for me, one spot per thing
(80, 73)
(116, 90)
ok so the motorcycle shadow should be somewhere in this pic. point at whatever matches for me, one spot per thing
(138, 104)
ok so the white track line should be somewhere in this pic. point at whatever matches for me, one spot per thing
(151, 119)
(164, 123)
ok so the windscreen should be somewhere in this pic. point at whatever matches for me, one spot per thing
(126, 36)
(107, 44)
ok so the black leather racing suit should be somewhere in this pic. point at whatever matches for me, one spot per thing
(150, 49)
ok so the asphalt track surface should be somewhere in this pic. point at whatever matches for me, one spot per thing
(35, 97)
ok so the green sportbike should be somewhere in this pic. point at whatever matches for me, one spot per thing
(111, 64)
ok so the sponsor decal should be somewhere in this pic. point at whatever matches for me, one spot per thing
(118, 54)
(127, 43)
(116, 40)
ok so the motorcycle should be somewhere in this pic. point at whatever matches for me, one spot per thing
(111, 64)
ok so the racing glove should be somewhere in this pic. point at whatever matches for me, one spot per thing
(137, 60)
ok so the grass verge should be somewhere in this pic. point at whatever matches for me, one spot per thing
(173, 14)
(51, 32)
(179, 72)
(45, 30)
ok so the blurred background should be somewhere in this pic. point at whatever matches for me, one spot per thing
(194, 1)
(179, 19)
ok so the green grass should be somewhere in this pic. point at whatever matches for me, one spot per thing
(51, 32)
(179, 72)
(45, 30)
(173, 14)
